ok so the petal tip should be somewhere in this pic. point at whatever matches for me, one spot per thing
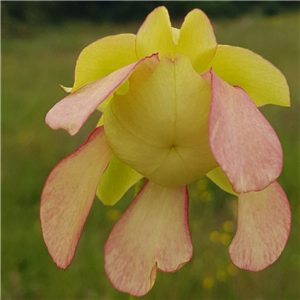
(264, 224)
(131, 266)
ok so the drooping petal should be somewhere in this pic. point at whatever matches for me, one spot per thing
(219, 178)
(155, 34)
(154, 128)
(72, 112)
(103, 57)
(242, 141)
(261, 80)
(116, 180)
(197, 40)
(68, 195)
(264, 221)
(152, 234)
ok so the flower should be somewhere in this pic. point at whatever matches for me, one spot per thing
(176, 106)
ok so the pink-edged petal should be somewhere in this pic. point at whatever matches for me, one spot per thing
(68, 195)
(264, 222)
(152, 234)
(72, 111)
(242, 141)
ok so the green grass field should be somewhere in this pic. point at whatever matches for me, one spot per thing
(33, 65)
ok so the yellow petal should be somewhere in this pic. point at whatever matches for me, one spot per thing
(104, 104)
(155, 34)
(220, 179)
(103, 57)
(100, 122)
(197, 40)
(176, 35)
(116, 180)
(262, 81)
(160, 127)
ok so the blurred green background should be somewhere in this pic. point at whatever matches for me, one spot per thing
(40, 44)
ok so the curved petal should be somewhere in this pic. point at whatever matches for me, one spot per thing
(218, 177)
(155, 34)
(72, 111)
(152, 234)
(264, 222)
(103, 57)
(242, 141)
(68, 195)
(261, 80)
(197, 40)
(116, 180)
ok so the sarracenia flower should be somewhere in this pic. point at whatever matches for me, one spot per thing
(176, 106)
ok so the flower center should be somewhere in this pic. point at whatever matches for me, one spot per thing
(160, 127)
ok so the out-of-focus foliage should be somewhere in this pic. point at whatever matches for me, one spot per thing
(49, 11)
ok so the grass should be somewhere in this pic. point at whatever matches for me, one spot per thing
(32, 67)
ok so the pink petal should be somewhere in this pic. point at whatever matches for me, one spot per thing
(72, 111)
(242, 141)
(264, 222)
(152, 234)
(68, 195)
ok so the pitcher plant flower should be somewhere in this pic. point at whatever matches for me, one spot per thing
(176, 106)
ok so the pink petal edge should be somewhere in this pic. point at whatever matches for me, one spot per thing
(141, 242)
(264, 223)
(72, 111)
(242, 141)
(68, 195)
